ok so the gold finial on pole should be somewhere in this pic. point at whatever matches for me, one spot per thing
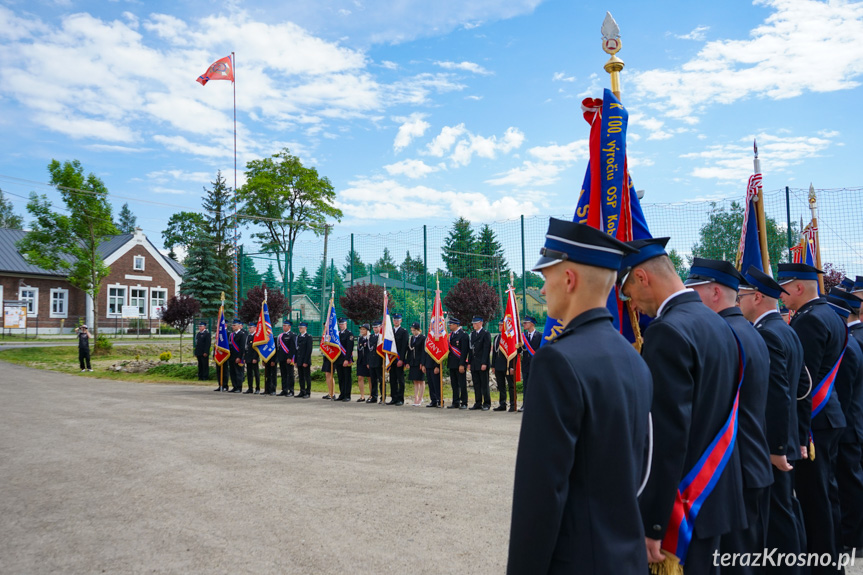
(813, 207)
(611, 44)
(761, 215)
(223, 297)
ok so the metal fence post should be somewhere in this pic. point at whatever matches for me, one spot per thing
(324, 277)
(523, 272)
(240, 282)
(788, 222)
(425, 276)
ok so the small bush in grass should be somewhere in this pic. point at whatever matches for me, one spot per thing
(103, 346)
(165, 356)
(175, 370)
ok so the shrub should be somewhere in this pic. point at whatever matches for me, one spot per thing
(103, 346)
(165, 356)
(176, 370)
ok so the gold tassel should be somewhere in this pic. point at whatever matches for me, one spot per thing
(811, 450)
(670, 566)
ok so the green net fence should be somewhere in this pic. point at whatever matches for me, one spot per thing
(409, 262)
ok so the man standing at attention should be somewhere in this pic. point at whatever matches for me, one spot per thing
(584, 439)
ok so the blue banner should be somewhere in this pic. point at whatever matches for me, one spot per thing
(612, 148)
(752, 246)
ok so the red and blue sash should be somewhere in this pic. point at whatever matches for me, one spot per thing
(527, 345)
(822, 391)
(233, 344)
(454, 349)
(697, 485)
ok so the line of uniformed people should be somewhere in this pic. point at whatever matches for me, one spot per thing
(696, 451)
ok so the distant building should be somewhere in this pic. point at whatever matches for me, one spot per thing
(383, 280)
(140, 276)
(303, 308)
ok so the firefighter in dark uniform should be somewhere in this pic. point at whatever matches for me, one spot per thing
(374, 363)
(253, 361)
(345, 361)
(584, 439)
(434, 372)
(503, 371)
(286, 353)
(203, 342)
(304, 361)
(717, 283)
(823, 336)
(480, 352)
(363, 360)
(459, 347)
(695, 361)
(237, 347)
(415, 359)
(532, 341)
(759, 301)
(849, 386)
(271, 368)
(397, 367)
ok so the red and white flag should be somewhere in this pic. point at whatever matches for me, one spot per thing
(437, 344)
(221, 69)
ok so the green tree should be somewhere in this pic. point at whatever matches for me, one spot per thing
(126, 220)
(412, 267)
(359, 266)
(70, 242)
(218, 222)
(183, 229)
(458, 249)
(8, 218)
(719, 237)
(333, 278)
(491, 259)
(270, 279)
(387, 265)
(302, 283)
(679, 265)
(249, 276)
(285, 198)
(205, 280)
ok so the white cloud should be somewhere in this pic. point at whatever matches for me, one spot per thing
(803, 46)
(473, 97)
(562, 77)
(593, 89)
(389, 65)
(567, 154)
(733, 161)
(417, 89)
(412, 127)
(423, 202)
(410, 168)
(165, 176)
(464, 67)
(443, 142)
(528, 174)
(484, 147)
(699, 33)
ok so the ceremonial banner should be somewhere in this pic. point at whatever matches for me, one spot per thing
(437, 343)
(511, 337)
(330, 345)
(221, 69)
(222, 351)
(386, 342)
(608, 200)
(263, 342)
(749, 248)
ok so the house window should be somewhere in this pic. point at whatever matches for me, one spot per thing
(31, 296)
(138, 298)
(59, 302)
(158, 299)
(116, 300)
(138, 265)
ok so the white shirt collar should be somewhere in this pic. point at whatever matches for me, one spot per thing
(669, 298)
(854, 323)
(763, 315)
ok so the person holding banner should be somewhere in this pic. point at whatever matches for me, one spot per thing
(375, 363)
(286, 353)
(432, 371)
(415, 359)
(824, 338)
(585, 437)
(253, 366)
(345, 361)
(480, 351)
(697, 368)
(459, 347)
(532, 341)
(304, 361)
(237, 345)
(503, 371)
(397, 365)
(363, 360)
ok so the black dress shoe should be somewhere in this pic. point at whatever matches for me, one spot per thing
(257, 391)
(348, 399)
(453, 406)
(512, 409)
(289, 394)
(372, 400)
(283, 394)
(327, 397)
(475, 407)
(463, 407)
(235, 390)
(432, 405)
(400, 403)
(361, 400)
(248, 391)
(486, 407)
(218, 389)
(391, 402)
(500, 408)
(520, 409)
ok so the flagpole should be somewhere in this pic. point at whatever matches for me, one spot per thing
(762, 219)
(440, 367)
(611, 45)
(236, 223)
(518, 332)
(813, 207)
(221, 365)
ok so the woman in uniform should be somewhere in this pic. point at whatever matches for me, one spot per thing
(416, 359)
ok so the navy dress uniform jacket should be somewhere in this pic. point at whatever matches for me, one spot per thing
(373, 358)
(202, 342)
(849, 389)
(346, 338)
(480, 349)
(304, 349)
(784, 437)
(751, 439)
(693, 357)
(822, 334)
(580, 456)
(535, 340)
(459, 340)
(286, 346)
(237, 345)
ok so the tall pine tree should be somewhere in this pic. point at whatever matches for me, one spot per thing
(302, 283)
(249, 276)
(490, 260)
(218, 222)
(387, 265)
(205, 280)
(126, 220)
(8, 218)
(458, 249)
(359, 266)
(270, 279)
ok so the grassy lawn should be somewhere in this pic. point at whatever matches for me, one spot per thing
(65, 360)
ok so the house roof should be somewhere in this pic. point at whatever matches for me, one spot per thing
(12, 261)
(296, 298)
(387, 282)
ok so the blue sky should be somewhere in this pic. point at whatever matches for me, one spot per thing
(421, 112)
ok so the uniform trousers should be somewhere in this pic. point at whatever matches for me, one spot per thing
(253, 371)
(397, 382)
(304, 375)
(700, 559)
(752, 539)
(376, 375)
(785, 531)
(458, 381)
(84, 357)
(504, 382)
(287, 370)
(270, 377)
(433, 381)
(345, 383)
(236, 371)
(525, 375)
(849, 477)
(223, 373)
(203, 367)
(481, 391)
(816, 488)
